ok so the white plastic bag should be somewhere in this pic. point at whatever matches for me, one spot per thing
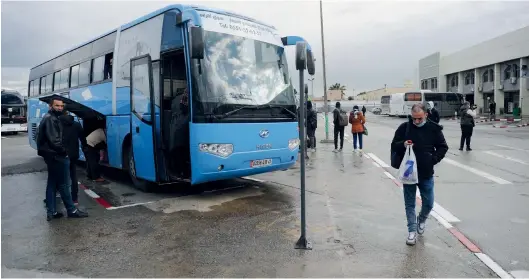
(408, 168)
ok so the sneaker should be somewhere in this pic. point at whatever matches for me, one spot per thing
(313, 150)
(355, 150)
(335, 150)
(55, 215)
(421, 226)
(360, 150)
(412, 238)
(461, 149)
(76, 203)
(77, 214)
(340, 150)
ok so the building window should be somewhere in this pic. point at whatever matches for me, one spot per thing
(515, 71)
(491, 75)
(486, 76)
(472, 78)
(507, 72)
(454, 81)
(467, 79)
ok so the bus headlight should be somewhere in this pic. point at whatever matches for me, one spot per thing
(293, 144)
(219, 149)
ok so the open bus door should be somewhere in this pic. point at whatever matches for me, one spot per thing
(142, 119)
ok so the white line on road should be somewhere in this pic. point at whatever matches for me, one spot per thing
(506, 157)
(493, 265)
(92, 194)
(510, 147)
(376, 165)
(440, 219)
(253, 179)
(449, 217)
(389, 175)
(478, 172)
(128, 205)
(380, 162)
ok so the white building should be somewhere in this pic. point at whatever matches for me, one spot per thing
(496, 69)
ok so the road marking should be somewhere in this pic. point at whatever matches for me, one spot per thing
(441, 220)
(376, 165)
(493, 265)
(4, 137)
(389, 175)
(367, 156)
(92, 194)
(128, 205)
(510, 147)
(253, 179)
(478, 172)
(380, 162)
(506, 157)
(464, 240)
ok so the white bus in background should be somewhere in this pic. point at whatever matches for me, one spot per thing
(446, 103)
(384, 104)
(397, 107)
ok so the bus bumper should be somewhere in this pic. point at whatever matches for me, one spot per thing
(9, 128)
(212, 168)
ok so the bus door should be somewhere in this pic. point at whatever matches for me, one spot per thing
(142, 164)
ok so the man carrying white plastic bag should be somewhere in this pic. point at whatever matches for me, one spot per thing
(417, 146)
(408, 168)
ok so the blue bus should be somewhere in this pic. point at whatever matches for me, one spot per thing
(232, 70)
(14, 108)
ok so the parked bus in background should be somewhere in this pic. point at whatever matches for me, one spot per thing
(384, 104)
(445, 103)
(396, 105)
(215, 80)
(13, 112)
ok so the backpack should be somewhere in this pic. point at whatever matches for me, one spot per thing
(343, 119)
(396, 158)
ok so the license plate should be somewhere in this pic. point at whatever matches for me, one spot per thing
(260, 163)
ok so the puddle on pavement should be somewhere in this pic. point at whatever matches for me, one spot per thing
(204, 202)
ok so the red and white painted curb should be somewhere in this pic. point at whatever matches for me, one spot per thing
(510, 126)
(95, 196)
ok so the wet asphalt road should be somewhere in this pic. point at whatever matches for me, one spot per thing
(355, 220)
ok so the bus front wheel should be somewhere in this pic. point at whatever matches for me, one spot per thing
(130, 165)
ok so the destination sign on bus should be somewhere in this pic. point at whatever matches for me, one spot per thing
(239, 27)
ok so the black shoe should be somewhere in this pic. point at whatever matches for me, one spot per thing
(460, 148)
(469, 149)
(56, 215)
(77, 214)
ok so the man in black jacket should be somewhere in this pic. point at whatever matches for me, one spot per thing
(312, 124)
(338, 128)
(430, 147)
(51, 148)
(72, 134)
(433, 114)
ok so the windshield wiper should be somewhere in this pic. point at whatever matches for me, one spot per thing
(277, 106)
(255, 108)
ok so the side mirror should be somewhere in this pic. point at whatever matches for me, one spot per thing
(197, 42)
(306, 89)
(301, 56)
(311, 68)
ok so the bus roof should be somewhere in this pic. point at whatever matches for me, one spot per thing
(179, 7)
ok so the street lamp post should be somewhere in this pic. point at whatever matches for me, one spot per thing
(326, 140)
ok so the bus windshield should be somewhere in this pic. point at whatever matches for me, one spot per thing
(242, 71)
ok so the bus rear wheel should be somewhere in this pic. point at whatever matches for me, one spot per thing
(130, 165)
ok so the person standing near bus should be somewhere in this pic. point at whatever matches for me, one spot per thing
(179, 134)
(50, 146)
(433, 114)
(467, 125)
(95, 142)
(72, 134)
(312, 124)
(357, 120)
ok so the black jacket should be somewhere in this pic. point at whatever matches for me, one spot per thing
(71, 135)
(312, 119)
(429, 145)
(466, 119)
(433, 115)
(336, 117)
(49, 138)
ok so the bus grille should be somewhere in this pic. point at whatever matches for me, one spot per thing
(34, 130)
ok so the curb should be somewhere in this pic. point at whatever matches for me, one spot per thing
(510, 126)
(95, 196)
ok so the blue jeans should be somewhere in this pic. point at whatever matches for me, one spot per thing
(359, 136)
(58, 180)
(427, 196)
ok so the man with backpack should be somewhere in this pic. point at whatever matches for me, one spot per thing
(340, 121)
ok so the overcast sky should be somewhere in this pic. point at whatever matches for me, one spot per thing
(367, 44)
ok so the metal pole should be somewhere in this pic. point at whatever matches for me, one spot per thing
(326, 140)
(302, 242)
